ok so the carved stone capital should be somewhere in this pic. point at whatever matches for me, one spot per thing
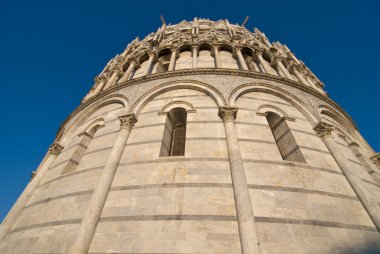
(120, 59)
(324, 130)
(228, 114)
(32, 175)
(127, 121)
(55, 149)
(376, 159)
(255, 55)
(238, 48)
(153, 54)
(119, 71)
(292, 68)
(320, 84)
(100, 79)
(274, 62)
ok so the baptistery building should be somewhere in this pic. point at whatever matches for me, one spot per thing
(202, 137)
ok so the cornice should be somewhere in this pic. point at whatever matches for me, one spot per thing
(206, 71)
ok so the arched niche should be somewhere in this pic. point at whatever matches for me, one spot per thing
(185, 59)
(163, 60)
(214, 94)
(248, 55)
(266, 88)
(227, 58)
(81, 121)
(142, 65)
(205, 56)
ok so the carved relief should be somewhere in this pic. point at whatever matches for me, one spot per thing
(376, 159)
(127, 121)
(55, 149)
(324, 130)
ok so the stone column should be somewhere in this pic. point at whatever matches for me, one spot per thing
(367, 164)
(54, 150)
(309, 80)
(172, 59)
(101, 83)
(195, 56)
(246, 220)
(283, 69)
(149, 65)
(264, 63)
(370, 204)
(299, 76)
(127, 74)
(218, 63)
(112, 81)
(90, 220)
(241, 59)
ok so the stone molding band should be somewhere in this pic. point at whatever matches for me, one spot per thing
(315, 223)
(205, 71)
(197, 185)
(195, 159)
(179, 217)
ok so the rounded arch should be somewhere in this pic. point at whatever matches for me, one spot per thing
(247, 51)
(126, 66)
(174, 104)
(266, 108)
(226, 47)
(211, 91)
(143, 58)
(324, 110)
(276, 91)
(107, 100)
(94, 125)
(184, 47)
(164, 52)
(205, 46)
(268, 56)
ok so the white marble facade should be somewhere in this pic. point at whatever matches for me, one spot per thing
(257, 160)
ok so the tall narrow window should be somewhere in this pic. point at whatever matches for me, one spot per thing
(79, 150)
(174, 138)
(285, 141)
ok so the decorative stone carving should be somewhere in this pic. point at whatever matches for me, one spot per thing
(33, 174)
(324, 130)
(228, 114)
(127, 121)
(239, 155)
(55, 149)
(376, 159)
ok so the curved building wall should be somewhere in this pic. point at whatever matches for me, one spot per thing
(322, 200)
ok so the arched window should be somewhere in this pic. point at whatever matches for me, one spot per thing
(174, 138)
(283, 136)
(249, 59)
(80, 149)
(185, 60)
(162, 64)
(227, 58)
(205, 58)
(143, 63)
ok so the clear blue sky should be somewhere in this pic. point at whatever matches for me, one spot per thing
(50, 52)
